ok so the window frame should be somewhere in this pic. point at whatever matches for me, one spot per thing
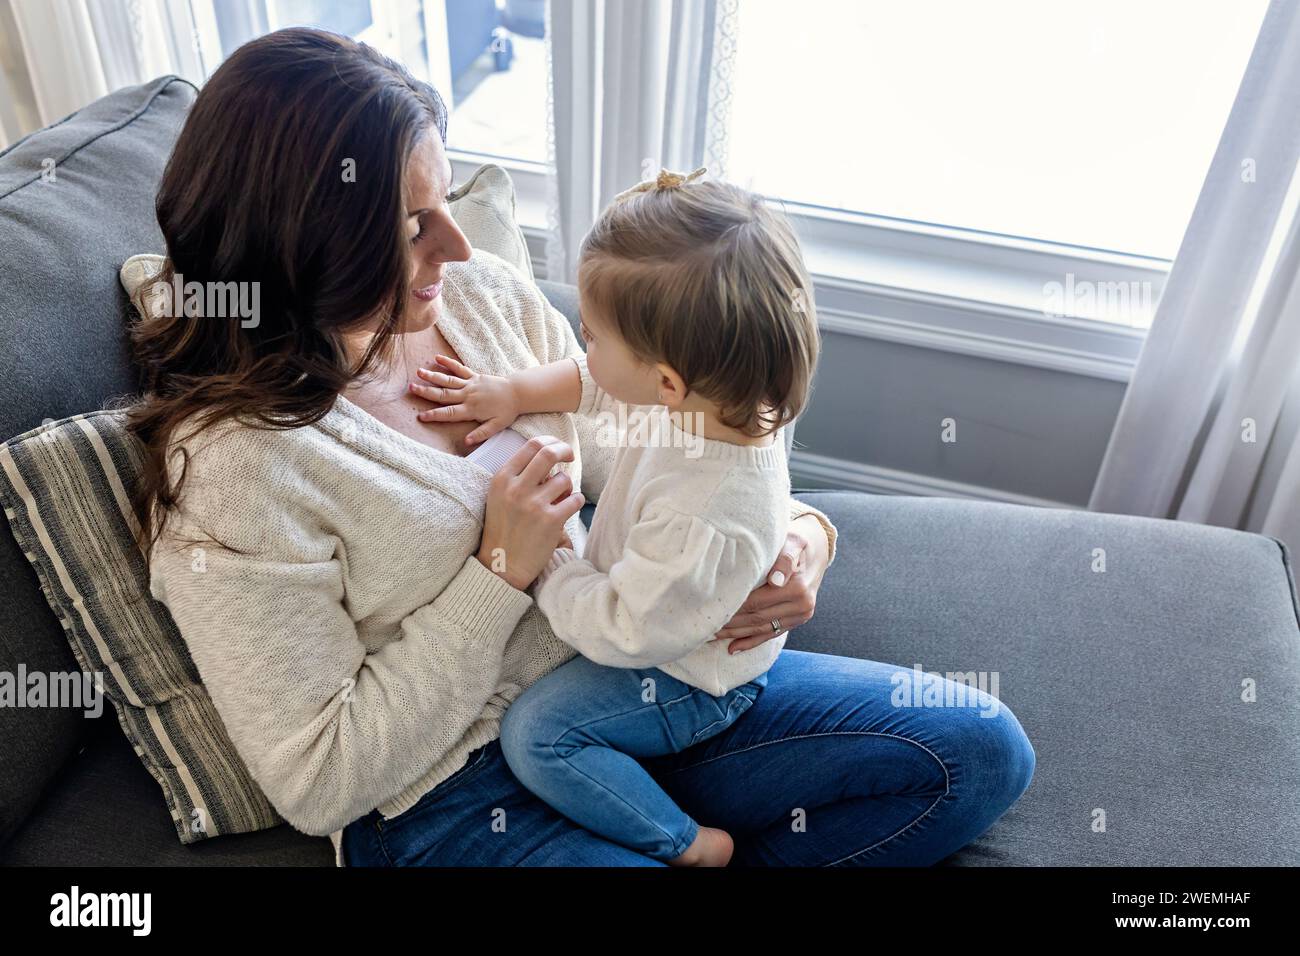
(969, 292)
(927, 285)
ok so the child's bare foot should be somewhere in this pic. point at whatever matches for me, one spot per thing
(712, 847)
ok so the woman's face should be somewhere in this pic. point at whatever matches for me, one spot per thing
(434, 236)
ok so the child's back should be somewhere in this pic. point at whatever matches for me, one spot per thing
(685, 529)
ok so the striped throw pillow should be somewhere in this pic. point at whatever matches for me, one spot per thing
(64, 487)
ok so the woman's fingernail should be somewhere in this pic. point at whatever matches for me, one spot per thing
(777, 578)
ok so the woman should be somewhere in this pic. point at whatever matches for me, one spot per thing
(353, 590)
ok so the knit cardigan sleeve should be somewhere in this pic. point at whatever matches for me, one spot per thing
(550, 337)
(595, 400)
(326, 728)
(798, 509)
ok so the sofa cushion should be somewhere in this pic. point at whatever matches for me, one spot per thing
(1163, 691)
(65, 488)
(102, 809)
(75, 202)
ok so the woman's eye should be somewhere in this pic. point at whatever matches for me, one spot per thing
(419, 235)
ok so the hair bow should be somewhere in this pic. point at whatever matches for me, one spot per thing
(665, 180)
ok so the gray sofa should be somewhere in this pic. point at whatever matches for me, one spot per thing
(1128, 682)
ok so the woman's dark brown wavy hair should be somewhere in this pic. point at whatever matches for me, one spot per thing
(257, 190)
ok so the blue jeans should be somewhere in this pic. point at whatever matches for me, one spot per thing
(824, 770)
(575, 737)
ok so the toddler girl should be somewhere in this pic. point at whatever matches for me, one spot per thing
(700, 345)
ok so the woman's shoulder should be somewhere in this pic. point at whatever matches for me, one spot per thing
(490, 285)
(493, 297)
(236, 444)
(244, 478)
(485, 268)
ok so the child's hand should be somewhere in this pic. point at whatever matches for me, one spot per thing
(466, 396)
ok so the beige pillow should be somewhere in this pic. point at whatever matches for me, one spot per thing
(484, 208)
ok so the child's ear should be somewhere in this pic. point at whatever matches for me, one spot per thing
(672, 387)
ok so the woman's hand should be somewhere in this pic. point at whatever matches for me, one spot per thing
(790, 594)
(526, 511)
(467, 396)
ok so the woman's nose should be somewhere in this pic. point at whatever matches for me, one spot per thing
(452, 246)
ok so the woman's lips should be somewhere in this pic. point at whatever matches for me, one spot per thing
(429, 292)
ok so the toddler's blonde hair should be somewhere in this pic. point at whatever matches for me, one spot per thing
(708, 278)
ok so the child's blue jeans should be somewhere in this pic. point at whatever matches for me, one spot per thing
(574, 739)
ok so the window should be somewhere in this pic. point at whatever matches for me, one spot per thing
(487, 58)
(1081, 122)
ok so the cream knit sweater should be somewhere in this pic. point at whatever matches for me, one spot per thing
(354, 647)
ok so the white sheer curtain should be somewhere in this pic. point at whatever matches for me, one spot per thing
(1209, 430)
(634, 86)
(67, 53)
